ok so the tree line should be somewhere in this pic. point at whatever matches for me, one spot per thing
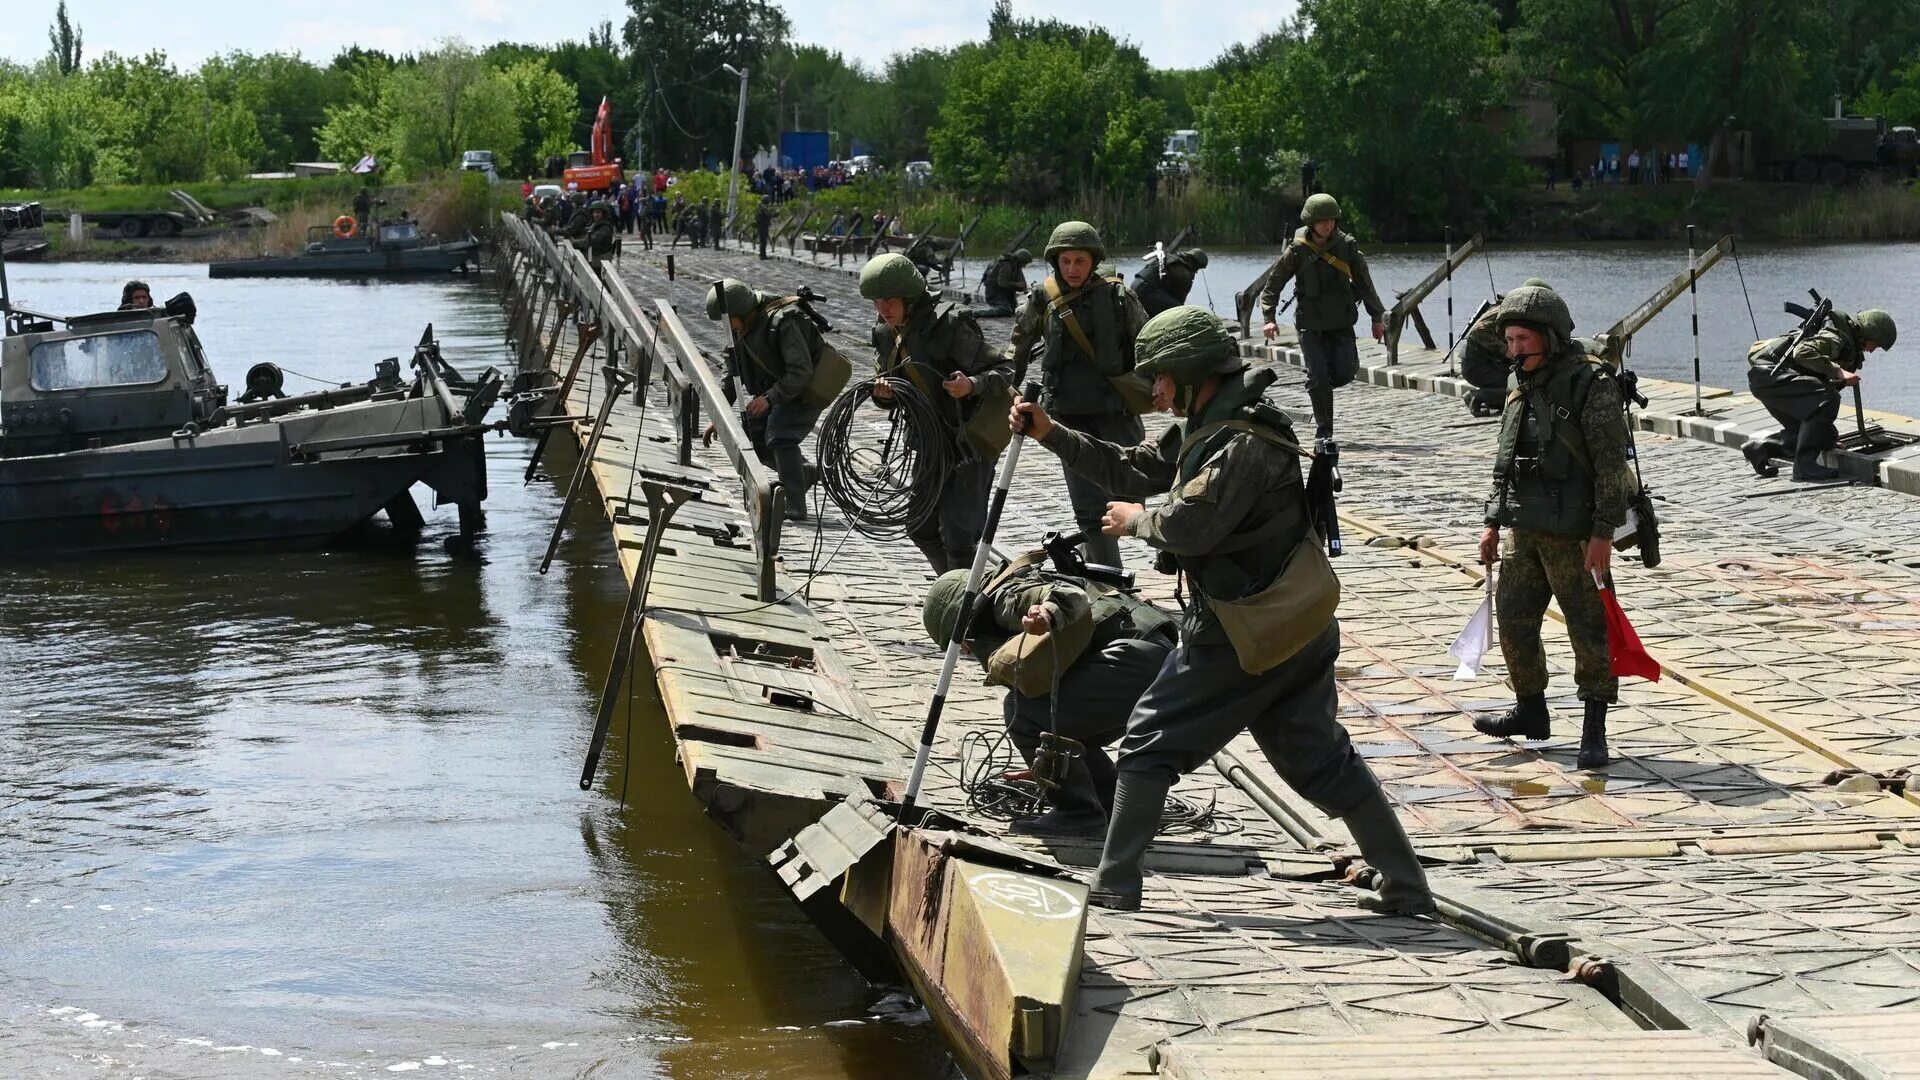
(1407, 107)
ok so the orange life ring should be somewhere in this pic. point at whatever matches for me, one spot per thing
(345, 227)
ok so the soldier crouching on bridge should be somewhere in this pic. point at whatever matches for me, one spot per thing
(1799, 382)
(1075, 656)
(1004, 284)
(776, 353)
(1235, 524)
(1561, 483)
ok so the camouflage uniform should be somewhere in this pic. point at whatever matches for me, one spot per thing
(595, 233)
(1075, 387)
(1482, 353)
(1091, 699)
(1160, 287)
(1802, 389)
(774, 356)
(1325, 305)
(937, 340)
(762, 225)
(1004, 282)
(1229, 488)
(1561, 477)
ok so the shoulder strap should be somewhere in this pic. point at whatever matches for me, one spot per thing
(766, 314)
(1031, 558)
(1328, 257)
(1057, 303)
(1248, 427)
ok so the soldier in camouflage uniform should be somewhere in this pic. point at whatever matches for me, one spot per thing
(1331, 281)
(1165, 283)
(1084, 325)
(775, 347)
(1234, 515)
(1800, 386)
(934, 345)
(1561, 483)
(594, 234)
(1483, 358)
(1124, 641)
(1005, 282)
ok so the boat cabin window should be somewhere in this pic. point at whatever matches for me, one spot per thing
(127, 358)
(399, 233)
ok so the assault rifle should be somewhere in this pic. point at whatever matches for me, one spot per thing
(1812, 321)
(1064, 551)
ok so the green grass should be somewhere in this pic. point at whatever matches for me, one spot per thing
(216, 194)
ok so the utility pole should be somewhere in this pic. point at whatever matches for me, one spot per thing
(739, 129)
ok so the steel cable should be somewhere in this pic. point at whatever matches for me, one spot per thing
(886, 487)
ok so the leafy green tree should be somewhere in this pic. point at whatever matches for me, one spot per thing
(545, 105)
(679, 47)
(1394, 98)
(1901, 104)
(65, 39)
(1249, 121)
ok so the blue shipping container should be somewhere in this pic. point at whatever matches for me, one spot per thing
(804, 150)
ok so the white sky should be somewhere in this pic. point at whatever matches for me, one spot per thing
(1171, 33)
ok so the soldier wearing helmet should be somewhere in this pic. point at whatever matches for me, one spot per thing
(594, 232)
(1084, 326)
(776, 346)
(1165, 282)
(1561, 485)
(1330, 282)
(1100, 651)
(1004, 284)
(1482, 355)
(936, 347)
(1800, 382)
(1234, 518)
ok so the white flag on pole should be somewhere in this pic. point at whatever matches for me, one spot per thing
(365, 165)
(1470, 648)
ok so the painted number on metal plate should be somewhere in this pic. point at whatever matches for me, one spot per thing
(1025, 896)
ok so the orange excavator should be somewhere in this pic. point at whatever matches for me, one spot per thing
(595, 169)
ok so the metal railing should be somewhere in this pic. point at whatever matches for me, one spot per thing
(653, 345)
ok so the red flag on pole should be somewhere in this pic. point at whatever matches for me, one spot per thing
(1628, 656)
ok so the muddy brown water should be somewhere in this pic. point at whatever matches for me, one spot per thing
(316, 814)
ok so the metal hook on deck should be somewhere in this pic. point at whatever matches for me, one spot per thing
(662, 501)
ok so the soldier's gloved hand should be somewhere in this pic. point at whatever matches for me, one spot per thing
(1036, 620)
(1029, 419)
(1270, 330)
(1490, 546)
(1119, 517)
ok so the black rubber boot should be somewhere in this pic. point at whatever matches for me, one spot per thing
(1807, 467)
(1816, 436)
(1137, 802)
(1593, 737)
(1759, 456)
(936, 556)
(960, 558)
(1077, 808)
(1322, 401)
(791, 465)
(1402, 889)
(1100, 548)
(1528, 719)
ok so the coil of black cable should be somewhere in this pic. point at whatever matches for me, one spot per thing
(884, 472)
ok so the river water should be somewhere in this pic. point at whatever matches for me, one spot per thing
(316, 814)
(1603, 282)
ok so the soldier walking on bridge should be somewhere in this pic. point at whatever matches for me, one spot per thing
(762, 225)
(776, 347)
(1330, 282)
(1799, 383)
(1234, 523)
(1561, 484)
(937, 347)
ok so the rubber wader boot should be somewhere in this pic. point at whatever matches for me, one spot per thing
(1322, 401)
(1076, 810)
(1815, 437)
(936, 555)
(1385, 847)
(791, 465)
(1137, 802)
(1759, 455)
(1593, 737)
(1528, 719)
(960, 558)
(1101, 549)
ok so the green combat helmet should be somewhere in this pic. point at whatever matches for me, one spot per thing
(1076, 236)
(1194, 257)
(942, 606)
(1319, 208)
(1021, 256)
(1540, 308)
(1535, 283)
(1875, 325)
(891, 277)
(730, 296)
(1186, 344)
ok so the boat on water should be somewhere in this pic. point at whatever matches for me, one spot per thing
(115, 435)
(384, 249)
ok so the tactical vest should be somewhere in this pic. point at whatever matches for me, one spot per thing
(1543, 459)
(1323, 297)
(1249, 559)
(1073, 383)
(761, 341)
(920, 354)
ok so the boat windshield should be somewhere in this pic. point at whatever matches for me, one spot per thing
(399, 232)
(126, 358)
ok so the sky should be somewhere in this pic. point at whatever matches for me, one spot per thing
(1171, 33)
